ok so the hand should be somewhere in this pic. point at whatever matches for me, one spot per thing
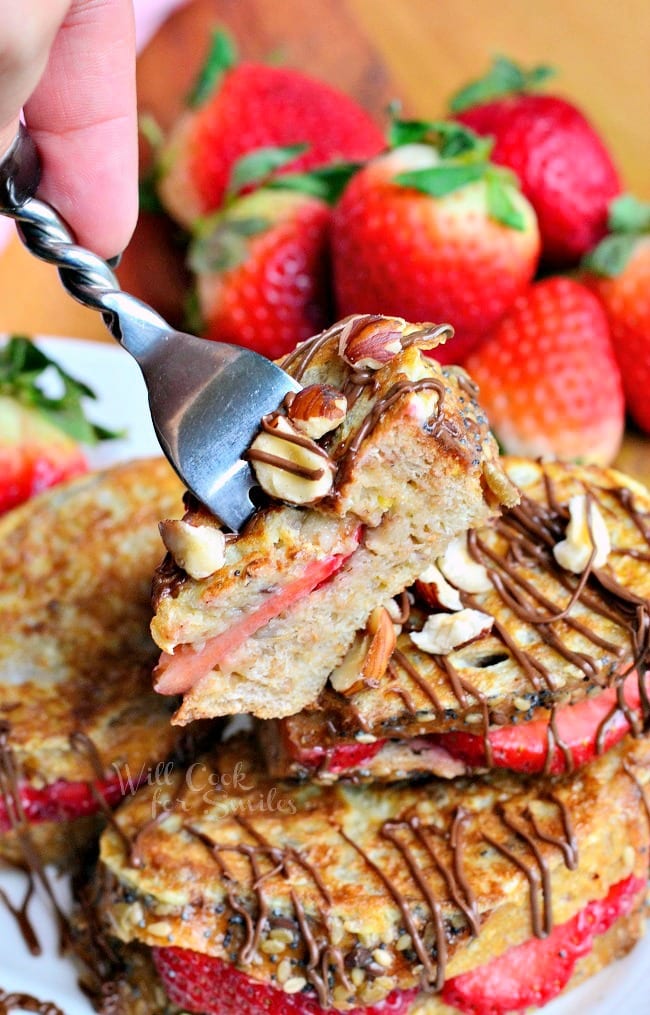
(70, 64)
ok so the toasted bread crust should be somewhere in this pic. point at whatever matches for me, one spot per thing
(75, 649)
(330, 840)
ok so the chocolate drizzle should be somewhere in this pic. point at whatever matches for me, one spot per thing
(26, 1002)
(19, 825)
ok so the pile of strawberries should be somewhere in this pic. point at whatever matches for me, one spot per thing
(301, 211)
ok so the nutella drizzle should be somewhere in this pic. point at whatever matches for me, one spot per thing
(10, 792)
(639, 785)
(25, 1002)
(409, 923)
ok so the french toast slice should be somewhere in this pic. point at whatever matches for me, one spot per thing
(79, 723)
(408, 463)
(555, 675)
(290, 888)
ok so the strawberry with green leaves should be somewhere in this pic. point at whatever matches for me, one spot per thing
(262, 263)
(39, 432)
(618, 271)
(433, 231)
(239, 108)
(565, 169)
(548, 378)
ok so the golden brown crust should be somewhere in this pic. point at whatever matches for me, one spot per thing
(330, 840)
(75, 649)
(563, 661)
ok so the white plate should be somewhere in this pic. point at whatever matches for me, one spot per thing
(123, 405)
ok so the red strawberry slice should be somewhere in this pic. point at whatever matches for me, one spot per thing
(338, 759)
(176, 673)
(63, 800)
(533, 973)
(523, 748)
(201, 983)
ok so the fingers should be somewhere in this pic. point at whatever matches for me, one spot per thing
(82, 117)
(28, 31)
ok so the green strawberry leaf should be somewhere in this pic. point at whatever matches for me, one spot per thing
(452, 140)
(611, 255)
(223, 246)
(325, 182)
(148, 199)
(23, 369)
(257, 166)
(504, 78)
(500, 204)
(222, 55)
(627, 214)
(192, 315)
(439, 181)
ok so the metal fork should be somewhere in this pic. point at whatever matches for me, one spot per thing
(206, 398)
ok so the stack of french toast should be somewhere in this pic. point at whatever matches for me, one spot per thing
(437, 801)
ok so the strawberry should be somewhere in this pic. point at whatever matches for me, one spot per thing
(565, 170)
(238, 109)
(619, 273)
(201, 983)
(62, 800)
(432, 231)
(341, 758)
(524, 747)
(548, 378)
(39, 432)
(262, 271)
(533, 973)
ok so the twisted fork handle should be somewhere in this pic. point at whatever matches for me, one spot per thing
(86, 276)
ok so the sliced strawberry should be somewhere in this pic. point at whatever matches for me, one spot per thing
(63, 800)
(176, 673)
(523, 748)
(201, 983)
(338, 759)
(533, 973)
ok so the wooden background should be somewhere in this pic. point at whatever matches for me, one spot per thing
(419, 51)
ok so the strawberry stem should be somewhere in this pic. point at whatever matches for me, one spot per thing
(628, 222)
(22, 377)
(505, 77)
(222, 56)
